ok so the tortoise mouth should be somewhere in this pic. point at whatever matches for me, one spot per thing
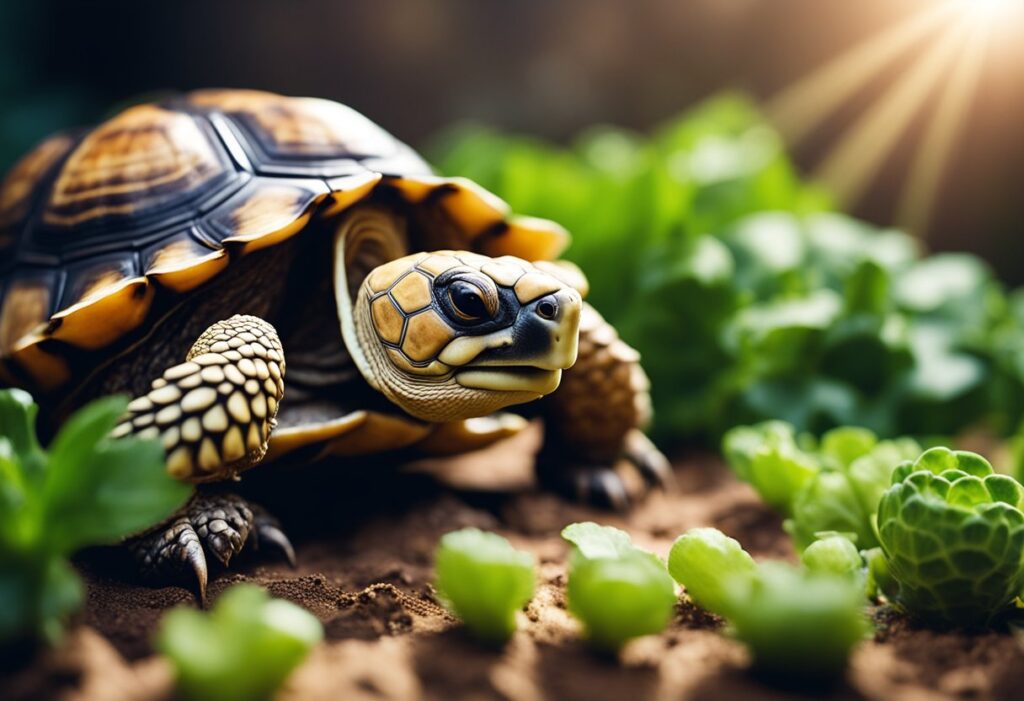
(510, 378)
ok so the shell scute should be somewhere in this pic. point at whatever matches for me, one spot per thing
(300, 126)
(143, 158)
(26, 306)
(18, 187)
(265, 212)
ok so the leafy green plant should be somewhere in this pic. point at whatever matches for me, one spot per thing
(769, 458)
(799, 624)
(243, 649)
(953, 536)
(85, 489)
(829, 486)
(617, 590)
(484, 581)
(747, 297)
(844, 495)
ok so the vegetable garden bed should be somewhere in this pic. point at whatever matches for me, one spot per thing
(355, 528)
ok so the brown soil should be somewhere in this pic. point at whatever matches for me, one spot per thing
(358, 528)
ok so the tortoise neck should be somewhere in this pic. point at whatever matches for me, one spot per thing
(366, 237)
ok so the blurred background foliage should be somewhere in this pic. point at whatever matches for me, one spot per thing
(749, 293)
(749, 296)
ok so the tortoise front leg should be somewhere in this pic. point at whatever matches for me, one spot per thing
(595, 419)
(214, 414)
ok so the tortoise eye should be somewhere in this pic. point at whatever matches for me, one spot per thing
(468, 301)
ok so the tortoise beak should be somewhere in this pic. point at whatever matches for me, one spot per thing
(546, 341)
(559, 314)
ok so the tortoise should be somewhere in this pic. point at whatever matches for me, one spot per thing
(181, 250)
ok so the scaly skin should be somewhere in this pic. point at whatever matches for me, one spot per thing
(214, 414)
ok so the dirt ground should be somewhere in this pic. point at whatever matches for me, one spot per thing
(358, 527)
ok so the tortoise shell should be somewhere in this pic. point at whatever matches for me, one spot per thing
(163, 197)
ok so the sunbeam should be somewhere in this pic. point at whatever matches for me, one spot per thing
(933, 153)
(952, 38)
(848, 169)
(799, 109)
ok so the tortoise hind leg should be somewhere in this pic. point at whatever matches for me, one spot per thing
(594, 421)
(214, 414)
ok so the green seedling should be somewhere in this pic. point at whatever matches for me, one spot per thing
(953, 536)
(799, 624)
(85, 489)
(879, 583)
(698, 560)
(617, 590)
(834, 554)
(484, 581)
(242, 650)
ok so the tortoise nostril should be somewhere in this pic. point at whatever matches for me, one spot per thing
(547, 309)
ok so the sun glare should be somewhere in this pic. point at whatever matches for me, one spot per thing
(986, 10)
(948, 42)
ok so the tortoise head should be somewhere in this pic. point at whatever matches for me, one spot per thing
(451, 335)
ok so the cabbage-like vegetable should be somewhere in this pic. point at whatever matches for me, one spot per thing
(835, 554)
(953, 535)
(768, 456)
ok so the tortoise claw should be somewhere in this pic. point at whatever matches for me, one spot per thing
(267, 530)
(651, 463)
(610, 483)
(197, 559)
(602, 487)
(210, 524)
(588, 483)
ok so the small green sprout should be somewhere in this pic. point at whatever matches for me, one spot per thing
(617, 590)
(85, 489)
(835, 554)
(484, 581)
(241, 650)
(697, 560)
(799, 624)
(879, 583)
(953, 535)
